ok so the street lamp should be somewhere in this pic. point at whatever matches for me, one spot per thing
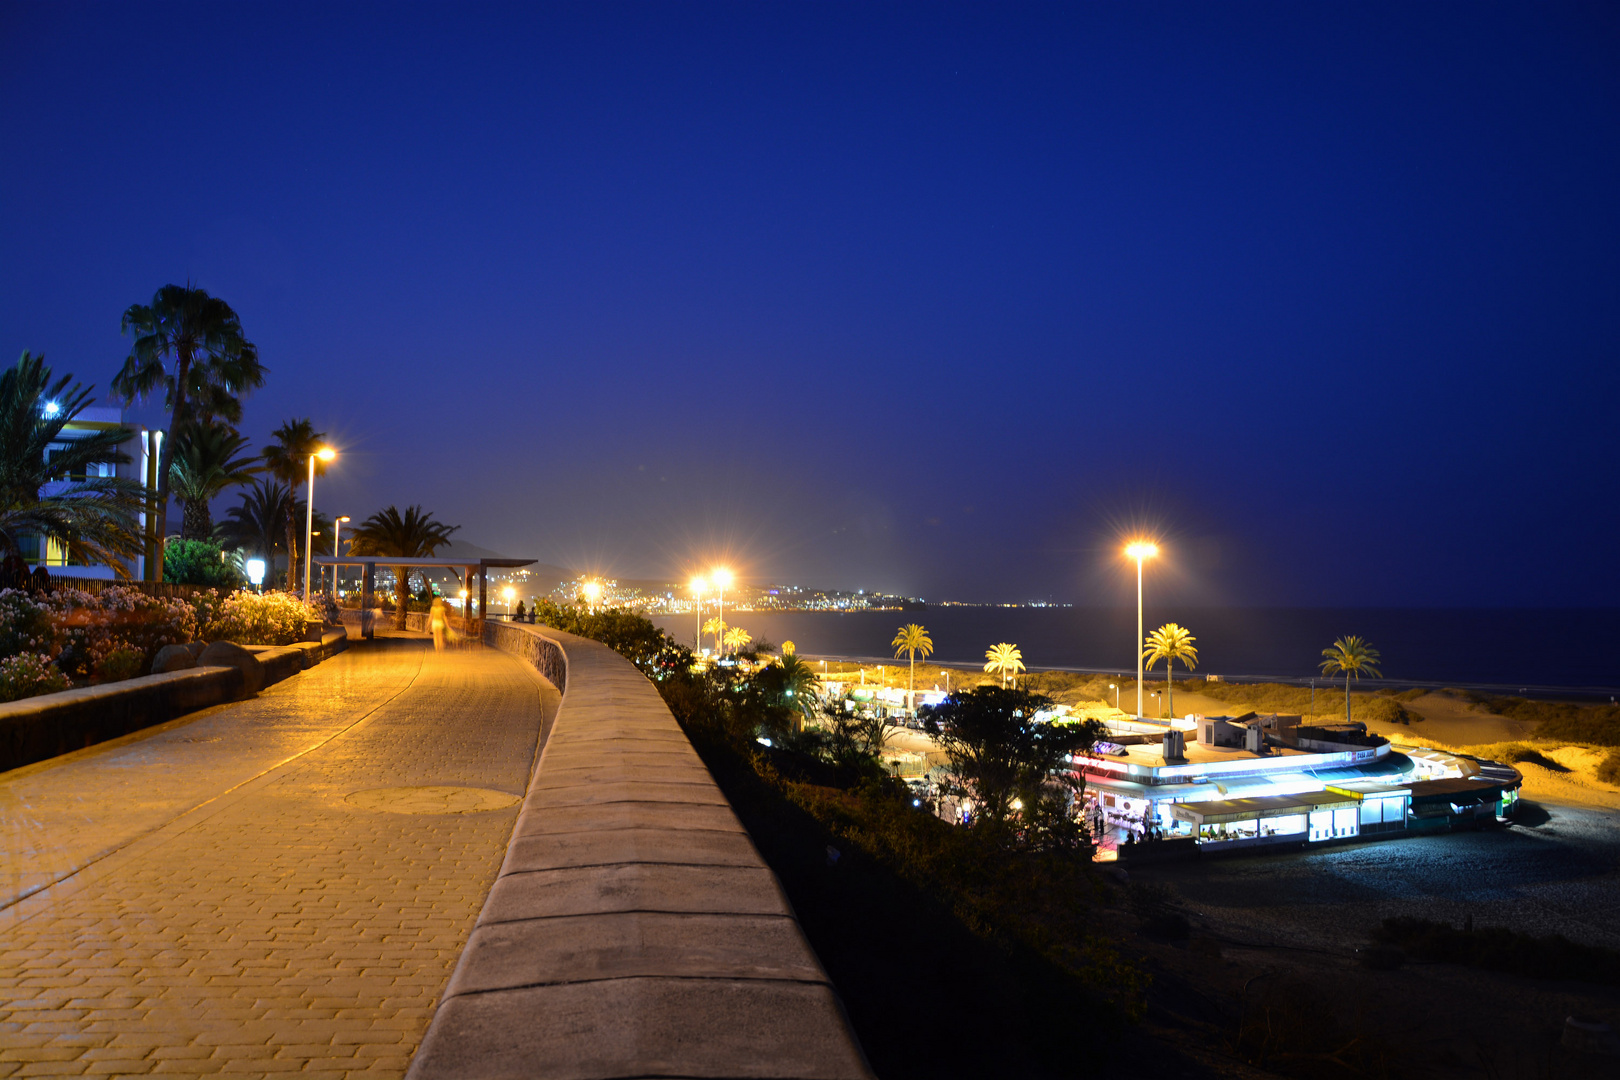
(507, 594)
(337, 553)
(255, 572)
(325, 453)
(592, 591)
(698, 585)
(721, 578)
(1115, 688)
(1141, 550)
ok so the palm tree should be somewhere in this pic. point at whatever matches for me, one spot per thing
(1005, 660)
(214, 365)
(205, 464)
(717, 627)
(1170, 643)
(287, 459)
(256, 525)
(95, 517)
(912, 639)
(795, 682)
(737, 638)
(1352, 656)
(411, 535)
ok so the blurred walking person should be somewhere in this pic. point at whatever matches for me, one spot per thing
(439, 624)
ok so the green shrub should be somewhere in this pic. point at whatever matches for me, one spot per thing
(247, 618)
(1514, 753)
(25, 626)
(124, 661)
(28, 675)
(198, 562)
(1608, 769)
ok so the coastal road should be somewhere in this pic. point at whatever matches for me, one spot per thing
(278, 885)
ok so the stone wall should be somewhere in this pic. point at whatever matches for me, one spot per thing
(633, 930)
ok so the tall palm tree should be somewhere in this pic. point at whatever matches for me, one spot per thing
(912, 639)
(95, 517)
(796, 684)
(737, 639)
(287, 459)
(1170, 643)
(411, 535)
(207, 459)
(214, 365)
(717, 627)
(1354, 657)
(256, 524)
(1005, 660)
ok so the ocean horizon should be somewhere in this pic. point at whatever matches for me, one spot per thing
(1506, 649)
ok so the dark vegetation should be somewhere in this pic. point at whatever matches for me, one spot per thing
(1598, 725)
(1379, 707)
(959, 951)
(198, 562)
(1496, 949)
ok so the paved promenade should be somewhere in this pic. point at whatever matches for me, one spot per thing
(279, 885)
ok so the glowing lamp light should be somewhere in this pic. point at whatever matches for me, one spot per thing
(255, 572)
(722, 577)
(52, 408)
(699, 585)
(592, 590)
(1142, 549)
(326, 453)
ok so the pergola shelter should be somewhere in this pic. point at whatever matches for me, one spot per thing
(369, 564)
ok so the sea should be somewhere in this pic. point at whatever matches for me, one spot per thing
(1534, 651)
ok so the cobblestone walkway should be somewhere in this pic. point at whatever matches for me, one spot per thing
(209, 898)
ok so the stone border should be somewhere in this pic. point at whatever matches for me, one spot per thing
(633, 930)
(38, 728)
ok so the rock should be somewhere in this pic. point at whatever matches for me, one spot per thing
(230, 654)
(173, 658)
(196, 648)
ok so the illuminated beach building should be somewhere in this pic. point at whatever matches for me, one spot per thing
(1231, 782)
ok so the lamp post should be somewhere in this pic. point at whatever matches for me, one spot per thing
(255, 573)
(1115, 688)
(721, 578)
(507, 594)
(698, 585)
(325, 453)
(337, 553)
(1140, 551)
(592, 591)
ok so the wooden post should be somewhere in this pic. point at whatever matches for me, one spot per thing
(466, 601)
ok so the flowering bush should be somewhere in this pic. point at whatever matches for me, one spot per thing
(272, 618)
(25, 626)
(29, 674)
(89, 627)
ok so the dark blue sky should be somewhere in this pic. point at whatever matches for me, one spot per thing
(937, 299)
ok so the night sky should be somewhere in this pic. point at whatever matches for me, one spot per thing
(935, 299)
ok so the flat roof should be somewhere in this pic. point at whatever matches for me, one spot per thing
(1454, 785)
(1259, 806)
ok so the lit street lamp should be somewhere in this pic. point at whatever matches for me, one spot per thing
(1115, 688)
(337, 553)
(721, 578)
(325, 453)
(507, 594)
(1140, 551)
(255, 572)
(593, 592)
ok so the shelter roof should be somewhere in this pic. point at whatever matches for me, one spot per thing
(438, 560)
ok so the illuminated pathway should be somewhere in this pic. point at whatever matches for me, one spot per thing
(250, 891)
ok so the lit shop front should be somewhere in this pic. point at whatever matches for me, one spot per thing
(1254, 780)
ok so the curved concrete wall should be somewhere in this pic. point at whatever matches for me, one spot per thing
(633, 931)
